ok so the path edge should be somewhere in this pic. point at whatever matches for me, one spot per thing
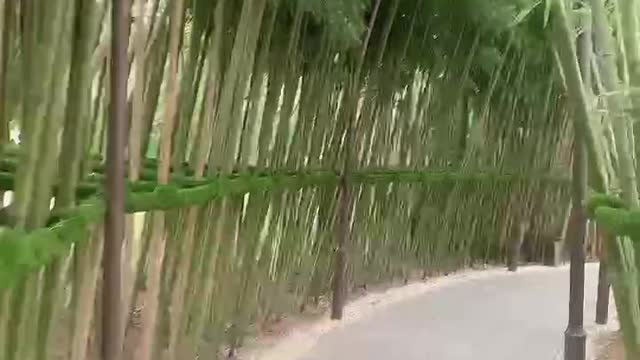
(301, 340)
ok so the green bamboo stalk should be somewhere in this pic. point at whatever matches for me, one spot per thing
(210, 273)
(5, 316)
(69, 168)
(6, 21)
(274, 88)
(201, 151)
(141, 35)
(190, 82)
(620, 122)
(39, 70)
(180, 284)
(235, 81)
(629, 26)
(77, 108)
(158, 51)
(569, 63)
(626, 293)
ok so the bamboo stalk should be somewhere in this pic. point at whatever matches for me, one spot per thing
(111, 335)
(146, 348)
(86, 271)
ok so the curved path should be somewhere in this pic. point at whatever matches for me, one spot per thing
(513, 316)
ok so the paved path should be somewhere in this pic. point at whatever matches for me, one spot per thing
(520, 316)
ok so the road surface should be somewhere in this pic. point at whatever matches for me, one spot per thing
(519, 316)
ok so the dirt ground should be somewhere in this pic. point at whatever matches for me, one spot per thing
(294, 333)
(271, 334)
(612, 348)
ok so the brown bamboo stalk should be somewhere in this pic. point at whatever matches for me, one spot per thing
(85, 287)
(112, 341)
(145, 350)
(343, 230)
(176, 306)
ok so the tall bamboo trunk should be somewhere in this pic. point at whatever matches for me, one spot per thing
(111, 335)
(575, 336)
(343, 235)
(147, 350)
(619, 251)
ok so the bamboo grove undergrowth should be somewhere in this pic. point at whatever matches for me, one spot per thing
(415, 136)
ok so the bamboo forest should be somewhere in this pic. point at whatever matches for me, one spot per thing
(179, 175)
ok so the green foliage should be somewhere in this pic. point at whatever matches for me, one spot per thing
(619, 221)
(342, 18)
(597, 201)
(614, 215)
(22, 252)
